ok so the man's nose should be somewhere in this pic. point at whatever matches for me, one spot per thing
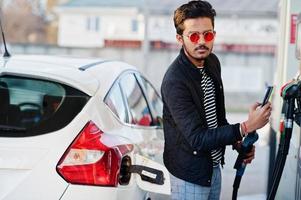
(202, 39)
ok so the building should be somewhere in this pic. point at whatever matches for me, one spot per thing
(249, 25)
(100, 23)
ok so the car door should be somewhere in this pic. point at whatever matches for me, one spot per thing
(155, 105)
(146, 163)
(142, 118)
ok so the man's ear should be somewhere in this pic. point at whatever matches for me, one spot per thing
(180, 39)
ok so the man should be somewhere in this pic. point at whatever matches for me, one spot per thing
(195, 127)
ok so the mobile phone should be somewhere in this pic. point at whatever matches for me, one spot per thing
(267, 95)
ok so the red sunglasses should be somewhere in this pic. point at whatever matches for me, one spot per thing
(196, 36)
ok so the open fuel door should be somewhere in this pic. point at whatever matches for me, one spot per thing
(151, 176)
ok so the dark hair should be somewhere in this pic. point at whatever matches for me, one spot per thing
(192, 9)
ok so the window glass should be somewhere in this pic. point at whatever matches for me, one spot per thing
(32, 107)
(134, 25)
(115, 102)
(139, 110)
(93, 23)
(154, 100)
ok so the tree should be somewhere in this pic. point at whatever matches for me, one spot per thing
(21, 24)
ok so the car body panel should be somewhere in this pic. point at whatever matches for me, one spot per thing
(33, 158)
(28, 164)
(114, 68)
(66, 70)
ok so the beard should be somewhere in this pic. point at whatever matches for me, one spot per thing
(192, 53)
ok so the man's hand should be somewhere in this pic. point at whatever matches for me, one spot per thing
(258, 116)
(247, 157)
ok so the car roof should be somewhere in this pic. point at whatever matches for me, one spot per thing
(85, 74)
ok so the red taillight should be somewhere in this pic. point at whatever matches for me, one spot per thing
(88, 161)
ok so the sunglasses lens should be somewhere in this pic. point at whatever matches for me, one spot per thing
(208, 36)
(194, 37)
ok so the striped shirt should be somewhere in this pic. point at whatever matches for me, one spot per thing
(210, 111)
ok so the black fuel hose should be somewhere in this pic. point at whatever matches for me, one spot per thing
(283, 148)
(240, 167)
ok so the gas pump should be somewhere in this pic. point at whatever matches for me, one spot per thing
(291, 94)
(291, 110)
(298, 55)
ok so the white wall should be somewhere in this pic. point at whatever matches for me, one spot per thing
(242, 79)
(73, 32)
(255, 31)
(230, 30)
(112, 24)
(120, 28)
(116, 24)
(161, 28)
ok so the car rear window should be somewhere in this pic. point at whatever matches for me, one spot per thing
(33, 107)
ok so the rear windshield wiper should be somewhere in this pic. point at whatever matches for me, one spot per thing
(12, 128)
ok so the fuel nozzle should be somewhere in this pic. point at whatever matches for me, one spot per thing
(291, 95)
(291, 90)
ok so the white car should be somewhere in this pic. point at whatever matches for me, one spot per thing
(74, 128)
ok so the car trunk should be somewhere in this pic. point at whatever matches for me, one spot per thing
(28, 165)
(36, 126)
